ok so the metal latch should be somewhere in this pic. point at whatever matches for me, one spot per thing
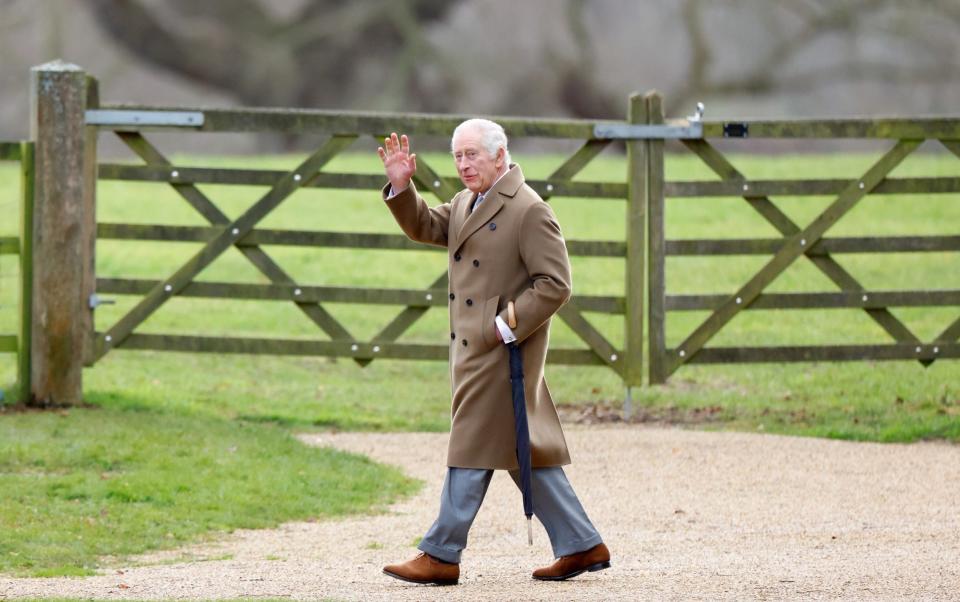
(698, 116)
(736, 130)
(95, 300)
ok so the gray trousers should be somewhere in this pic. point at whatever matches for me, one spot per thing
(554, 504)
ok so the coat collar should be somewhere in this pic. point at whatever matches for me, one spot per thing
(505, 187)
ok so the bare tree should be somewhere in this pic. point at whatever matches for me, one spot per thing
(765, 48)
(327, 54)
(578, 91)
(794, 28)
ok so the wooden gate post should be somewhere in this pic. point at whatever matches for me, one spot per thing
(24, 329)
(89, 237)
(637, 164)
(656, 256)
(63, 220)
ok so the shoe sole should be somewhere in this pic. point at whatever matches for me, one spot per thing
(423, 582)
(592, 569)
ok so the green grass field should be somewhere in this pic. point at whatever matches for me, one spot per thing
(46, 463)
(863, 400)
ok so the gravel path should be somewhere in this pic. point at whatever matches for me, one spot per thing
(687, 515)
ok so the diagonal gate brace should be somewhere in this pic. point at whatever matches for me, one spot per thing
(825, 263)
(256, 255)
(796, 246)
(231, 233)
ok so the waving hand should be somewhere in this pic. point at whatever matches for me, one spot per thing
(398, 163)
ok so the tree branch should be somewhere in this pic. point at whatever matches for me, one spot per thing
(250, 68)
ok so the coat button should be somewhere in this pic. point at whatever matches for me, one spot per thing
(493, 226)
(456, 256)
(453, 336)
(464, 342)
(476, 263)
(469, 301)
(452, 296)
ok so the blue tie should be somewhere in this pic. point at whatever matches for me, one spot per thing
(477, 202)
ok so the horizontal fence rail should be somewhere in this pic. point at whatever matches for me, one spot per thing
(762, 188)
(832, 353)
(378, 124)
(313, 121)
(9, 245)
(358, 350)
(252, 177)
(434, 297)
(826, 246)
(10, 151)
(852, 299)
(314, 238)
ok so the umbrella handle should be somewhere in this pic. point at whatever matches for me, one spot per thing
(511, 315)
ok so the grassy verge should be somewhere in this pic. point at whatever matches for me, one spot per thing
(80, 484)
(900, 401)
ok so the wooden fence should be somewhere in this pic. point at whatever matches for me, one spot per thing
(19, 342)
(643, 190)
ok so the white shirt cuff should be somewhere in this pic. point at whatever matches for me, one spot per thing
(394, 193)
(505, 332)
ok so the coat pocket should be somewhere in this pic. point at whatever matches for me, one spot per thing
(489, 321)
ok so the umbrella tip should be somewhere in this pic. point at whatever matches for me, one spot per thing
(529, 531)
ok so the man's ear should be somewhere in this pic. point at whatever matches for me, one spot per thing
(500, 157)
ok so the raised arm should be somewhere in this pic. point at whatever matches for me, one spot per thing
(417, 220)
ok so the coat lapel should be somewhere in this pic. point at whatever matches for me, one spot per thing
(506, 187)
(463, 214)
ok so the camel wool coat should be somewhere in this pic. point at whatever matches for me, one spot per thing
(509, 248)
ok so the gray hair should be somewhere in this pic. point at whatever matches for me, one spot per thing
(492, 136)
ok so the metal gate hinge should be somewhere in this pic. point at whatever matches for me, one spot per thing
(682, 129)
(133, 118)
(95, 300)
(629, 131)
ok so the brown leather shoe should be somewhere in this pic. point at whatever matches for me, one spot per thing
(595, 559)
(425, 569)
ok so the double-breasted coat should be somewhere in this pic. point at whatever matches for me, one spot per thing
(509, 248)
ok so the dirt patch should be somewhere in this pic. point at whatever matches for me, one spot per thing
(605, 413)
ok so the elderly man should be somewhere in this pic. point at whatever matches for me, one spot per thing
(504, 245)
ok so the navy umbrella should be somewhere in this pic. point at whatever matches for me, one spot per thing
(523, 435)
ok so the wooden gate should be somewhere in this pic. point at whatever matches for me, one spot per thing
(19, 342)
(807, 241)
(244, 233)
